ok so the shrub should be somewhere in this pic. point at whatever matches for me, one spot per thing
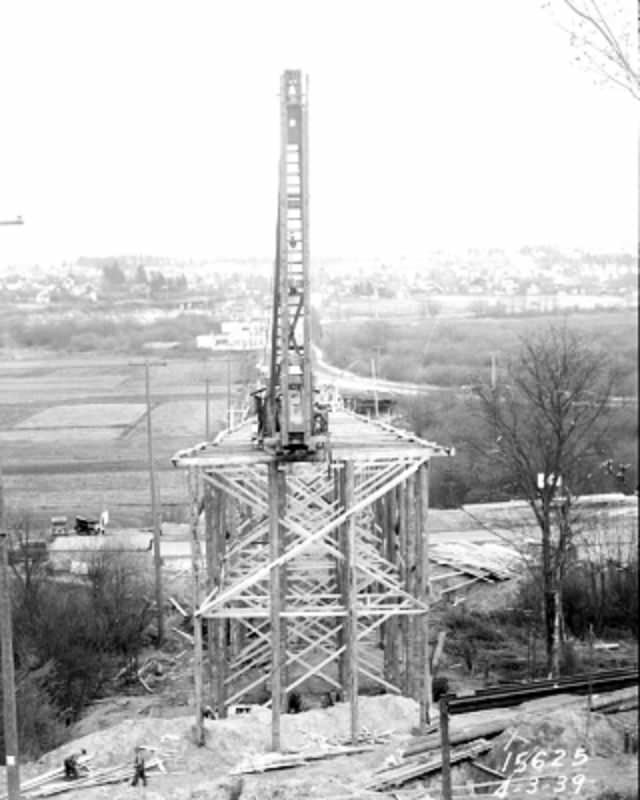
(40, 727)
(75, 636)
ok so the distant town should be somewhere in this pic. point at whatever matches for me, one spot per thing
(234, 294)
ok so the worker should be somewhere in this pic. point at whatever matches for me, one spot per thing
(320, 415)
(209, 713)
(294, 703)
(259, 403)
(71, 765)
(139, 773)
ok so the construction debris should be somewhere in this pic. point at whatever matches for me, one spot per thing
(263, 762)
(187, 636)
(411, 768)
(485, 562)
(364, 737)
(461, 734)
(53, 782)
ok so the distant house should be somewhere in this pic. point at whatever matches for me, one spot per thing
(160, 346)
(235, 335)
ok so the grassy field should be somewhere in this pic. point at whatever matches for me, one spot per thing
(63, 417)
(73, 428)
(89, 415)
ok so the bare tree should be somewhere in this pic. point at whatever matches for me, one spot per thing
(604, 35)
(548, 423)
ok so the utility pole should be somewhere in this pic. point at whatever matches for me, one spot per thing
(155, 521)
(207, 421)
(374, 375)
(228, 391)
(9, 714)
(8, 677)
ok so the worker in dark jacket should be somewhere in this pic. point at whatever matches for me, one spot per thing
(139, 773)
(71, 765)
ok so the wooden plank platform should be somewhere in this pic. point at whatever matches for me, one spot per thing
(351, 437)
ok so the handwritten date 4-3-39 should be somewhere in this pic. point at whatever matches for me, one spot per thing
(539, 760)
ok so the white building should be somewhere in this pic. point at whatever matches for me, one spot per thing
(235, 335)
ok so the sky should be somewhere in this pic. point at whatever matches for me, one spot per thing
(149, 126)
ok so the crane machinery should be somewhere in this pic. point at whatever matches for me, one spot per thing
(291, 421)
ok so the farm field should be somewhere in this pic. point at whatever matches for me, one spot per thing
(73, 433)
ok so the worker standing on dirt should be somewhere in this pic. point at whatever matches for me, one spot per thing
(139, 773)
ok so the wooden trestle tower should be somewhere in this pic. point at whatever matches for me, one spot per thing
(312, 571)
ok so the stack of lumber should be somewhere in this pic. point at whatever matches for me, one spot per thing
(461, 732)
(53, 782)
(484, 562)
(263, 762)
(408, 769)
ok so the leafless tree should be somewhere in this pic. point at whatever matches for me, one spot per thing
(548, 422)
(604, 36)
(27, 559)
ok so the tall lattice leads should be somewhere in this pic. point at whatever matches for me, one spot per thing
(290, 393)
(315, 561)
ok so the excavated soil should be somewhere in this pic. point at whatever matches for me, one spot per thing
(204, 772)
(194, 772)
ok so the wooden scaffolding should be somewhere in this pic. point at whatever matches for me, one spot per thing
(311, 574)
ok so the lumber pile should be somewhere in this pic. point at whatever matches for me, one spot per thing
(54, 782)
(459, 733)
(487, 562)
(365, 736)
(158, 666)
(264, 762)
(409, 768)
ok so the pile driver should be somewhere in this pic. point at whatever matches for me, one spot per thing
(291, 418)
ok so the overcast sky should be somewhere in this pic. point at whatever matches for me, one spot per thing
(133, 126)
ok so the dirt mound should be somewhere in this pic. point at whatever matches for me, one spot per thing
(227, 741)
(564, 737)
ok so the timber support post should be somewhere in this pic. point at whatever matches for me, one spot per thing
(220, 625)
(197, 619)
(352, 612)
(403, 522)
(415, 568)
(425, 594)
(274, 484)
(210, 551)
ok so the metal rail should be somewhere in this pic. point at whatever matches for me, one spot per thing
(502, 696)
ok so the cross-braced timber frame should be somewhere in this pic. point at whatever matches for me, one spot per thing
(311, 573)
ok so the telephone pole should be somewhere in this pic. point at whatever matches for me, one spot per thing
(207, 420)
(8, 676)
(155, 520)
(6, 643)
(229, 421)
